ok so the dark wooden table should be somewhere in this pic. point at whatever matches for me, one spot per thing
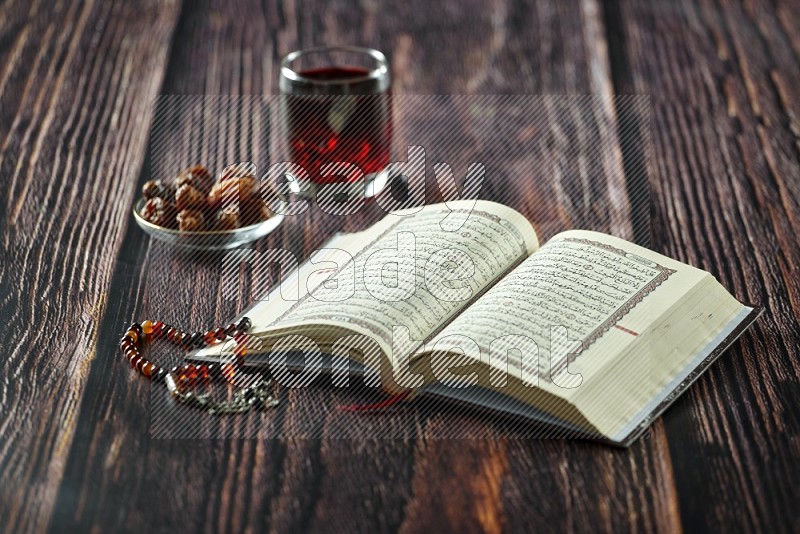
(77, 84)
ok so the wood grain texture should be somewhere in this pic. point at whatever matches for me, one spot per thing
(88, 446)
(726, 178)
(73, 125)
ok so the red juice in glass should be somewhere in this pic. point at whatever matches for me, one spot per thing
(338, 113)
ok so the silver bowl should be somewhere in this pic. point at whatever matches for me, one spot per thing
(210, 240)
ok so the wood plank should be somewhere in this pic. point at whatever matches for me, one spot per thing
(74, 114)
(726, 185)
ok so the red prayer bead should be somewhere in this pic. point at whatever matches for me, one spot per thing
(171, 333)
(202, 371)
(147, 368)
(158, 328)
(135, 360)
(210, 337)
(188, 374)
(220, 333)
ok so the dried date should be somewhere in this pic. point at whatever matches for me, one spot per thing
(195, 203)
(188, 197)
(196, 176)
(191, 221)
(157, 189)
(159, 212)
(237, 170)
(227, 192)
(228, 218)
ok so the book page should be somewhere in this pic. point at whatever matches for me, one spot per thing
(582, 293)
(413, 271)
(293, 286)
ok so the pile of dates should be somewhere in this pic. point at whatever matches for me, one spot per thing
(195, 202)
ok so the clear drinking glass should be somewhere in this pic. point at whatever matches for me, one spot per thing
(336, 115)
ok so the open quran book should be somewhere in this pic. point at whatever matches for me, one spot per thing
(587, 332)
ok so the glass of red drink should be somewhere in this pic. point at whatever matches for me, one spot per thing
(336, 115)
